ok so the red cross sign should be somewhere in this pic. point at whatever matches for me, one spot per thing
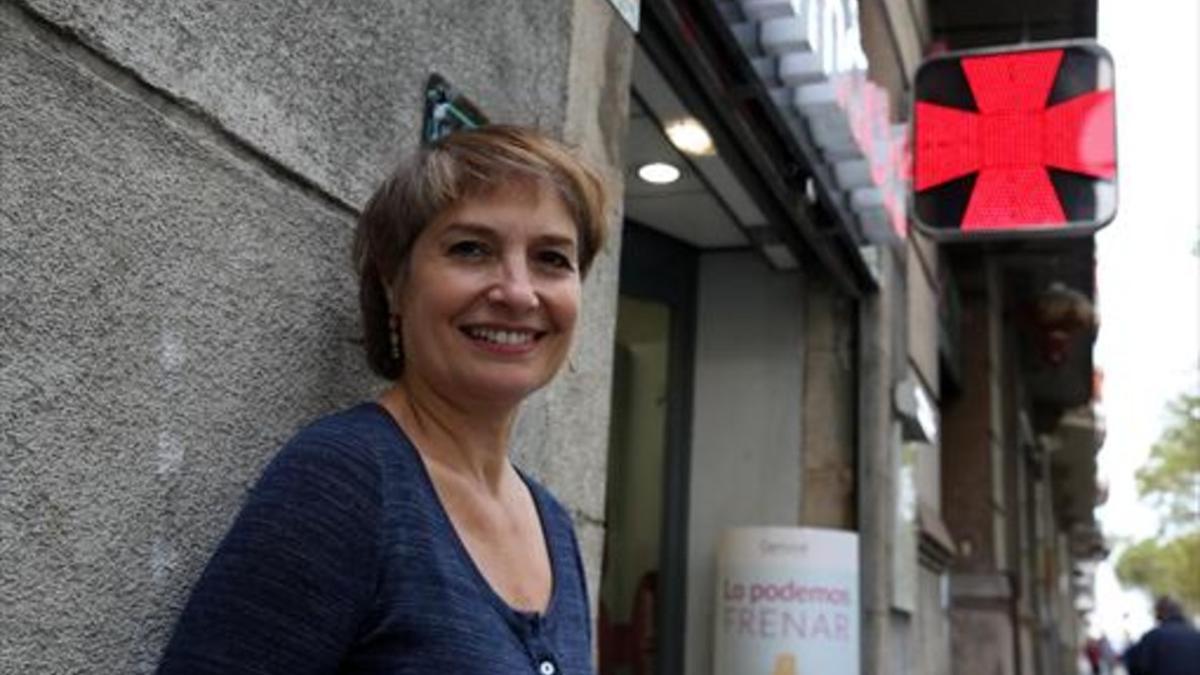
(1014, 143)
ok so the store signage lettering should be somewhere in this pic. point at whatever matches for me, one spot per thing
(810, 53)
(787, 602)
(790, 609)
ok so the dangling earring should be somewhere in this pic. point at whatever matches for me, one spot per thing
(394, 335)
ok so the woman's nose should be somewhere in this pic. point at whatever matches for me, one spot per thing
(515, 287)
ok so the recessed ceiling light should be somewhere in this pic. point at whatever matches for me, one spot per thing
(658, 173)
(690, 136)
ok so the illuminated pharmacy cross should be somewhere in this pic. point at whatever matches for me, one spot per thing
(1014, 139)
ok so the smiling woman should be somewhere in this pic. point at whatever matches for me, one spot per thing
(396, 536)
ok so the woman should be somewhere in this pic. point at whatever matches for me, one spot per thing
(396, 537)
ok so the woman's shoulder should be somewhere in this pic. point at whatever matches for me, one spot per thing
(361, 422)
(347, 434)
(346, 444)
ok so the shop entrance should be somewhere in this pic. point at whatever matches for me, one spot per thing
(642, 587)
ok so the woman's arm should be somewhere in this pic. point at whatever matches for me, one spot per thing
(287, 589)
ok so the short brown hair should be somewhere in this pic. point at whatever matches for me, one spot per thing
(439, 176)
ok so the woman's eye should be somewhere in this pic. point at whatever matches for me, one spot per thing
(468, 249)
(556, 259)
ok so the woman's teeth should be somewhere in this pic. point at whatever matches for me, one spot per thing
(501, 337)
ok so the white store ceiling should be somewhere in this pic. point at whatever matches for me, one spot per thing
(707, 207)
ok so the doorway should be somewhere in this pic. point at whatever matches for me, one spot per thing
(643, 577)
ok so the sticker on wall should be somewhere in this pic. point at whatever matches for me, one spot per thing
(447, 110)
(630, 11)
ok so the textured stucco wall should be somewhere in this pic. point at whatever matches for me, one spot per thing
(177, 193)
(170, 315)
(333, 89)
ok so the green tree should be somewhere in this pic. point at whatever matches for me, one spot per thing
(1169, 564)
(1170, 478)
(1165, 568)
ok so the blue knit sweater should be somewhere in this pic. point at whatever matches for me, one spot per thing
(344, 561)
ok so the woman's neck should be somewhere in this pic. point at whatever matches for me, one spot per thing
(472, 444)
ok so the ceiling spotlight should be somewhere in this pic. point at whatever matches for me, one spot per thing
(658, 173)
(690, 136)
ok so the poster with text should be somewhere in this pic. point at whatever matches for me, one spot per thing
(787, 602)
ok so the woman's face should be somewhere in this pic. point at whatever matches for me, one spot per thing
(489, 303)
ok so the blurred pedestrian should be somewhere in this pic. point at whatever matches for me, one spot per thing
(1108, 657)
(1171, 648)
(1091, 651)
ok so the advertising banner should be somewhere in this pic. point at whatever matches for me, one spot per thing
(787, 602)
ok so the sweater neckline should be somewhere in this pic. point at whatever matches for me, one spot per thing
(522, 620)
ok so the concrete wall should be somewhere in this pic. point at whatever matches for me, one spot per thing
(178, 187)
(893, 35)
(984, 483)
(828, 397)
(932, 624)
(899, 340)
(746, 425)
(921, 297)
(974, 631)
(333, 90)
(966, 431)
(923, 324)
(885, 633)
